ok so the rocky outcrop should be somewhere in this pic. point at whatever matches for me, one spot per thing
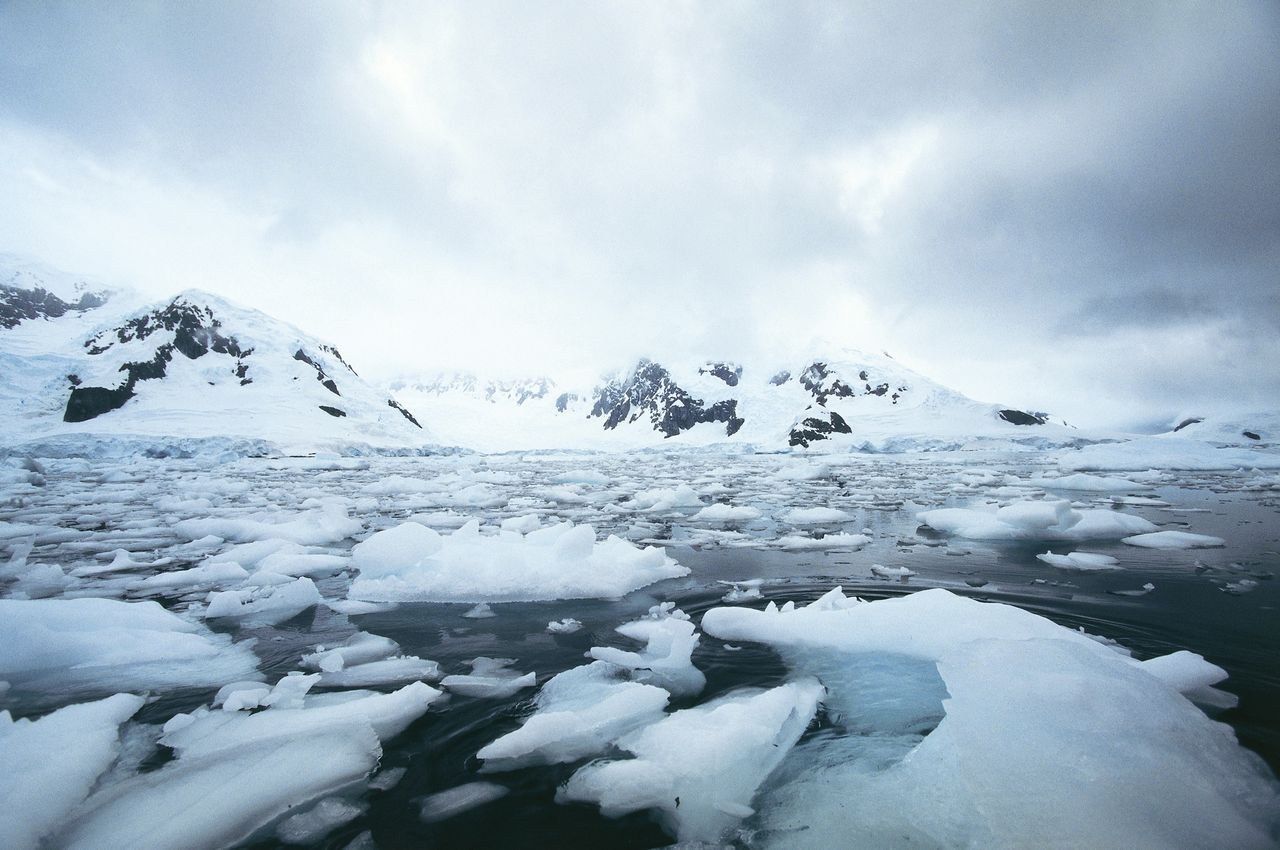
(18, 305)
(195, 333)
(1022, 417)
(817, 425)
(650, 393)
(728, 372)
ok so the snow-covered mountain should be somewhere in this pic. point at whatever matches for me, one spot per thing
(191, 366)
(1256, 428)
(844, 399)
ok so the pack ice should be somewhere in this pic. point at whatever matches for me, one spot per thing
(961, 723)
(563, 561)
(1046, 519)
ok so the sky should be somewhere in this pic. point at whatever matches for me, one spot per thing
(1066, 207)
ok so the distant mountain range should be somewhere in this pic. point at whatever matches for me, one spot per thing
(81, 358)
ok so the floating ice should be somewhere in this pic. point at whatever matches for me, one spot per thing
(202, 576)
(699, 768)
(264, 605)
(578, 713)
(567, 626)
(101, 645)
(742, 591)
(318, 821)
(1083, 481)
(815, 516)
(1083, 561)
(48, 766)
(445, 804)
(236, 772)
(660, 500)
(562, 561)
(490, 678)
(726, 513)
(481, 611)
(1174, 540)
(1035, 520)
(891, 572)
(312, 528)
(830, 541)
(1134, 763)
(1142, 591)
(666, 660)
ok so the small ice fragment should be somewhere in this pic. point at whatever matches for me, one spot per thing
(480, 612)
(891, 572)
(387, 778)
(567, 626)
(315, 823)
(455, 801)
(1146, 588)
(1175, 540)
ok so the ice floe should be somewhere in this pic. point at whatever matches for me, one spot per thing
(1035, 520)
(1175, 540)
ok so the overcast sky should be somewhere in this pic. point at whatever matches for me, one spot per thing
(1072, 207)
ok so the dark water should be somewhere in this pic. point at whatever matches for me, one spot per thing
(1188, 610)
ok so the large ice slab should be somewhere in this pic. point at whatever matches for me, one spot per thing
(1046, 737)
(102, 645)
(1035, 520)
(48, 766)
(699, 768)
(562, 561)
(236, 773)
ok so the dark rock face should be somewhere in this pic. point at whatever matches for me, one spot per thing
(329, 349)
(1021, 417)
(195, 333)
(820, 426)
(780, 378)
(20, 305)
(727, 372)
(391, 402)
(564, 400)
(1251, 435)
(333, 411)
(823, 383)
(649, 391)
(1194, 420)
(324, 379)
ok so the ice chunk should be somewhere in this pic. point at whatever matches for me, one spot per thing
(102, 645)
(1035, 520)
(742, 591)
(445, 804)
(726, 513)
(666, 660)
(389, 671)
(481, 611)
(1083, 561)
(561, 561)
(360, 648)
(830, 541)
(271, 604)
(48, 766)
(202, 576)
(699, 768)
(567, 626)
(578, 713)
(891, 572)
(1174, 540)
(489, 679)
(1083, 481)
(815, 516)
(1135, 763)
(522, 524)
(661, 500)
(311, 528)
(318, 821)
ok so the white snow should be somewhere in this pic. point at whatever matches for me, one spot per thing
(1083, 561)
(48, 766)
(1035, 520)
(699, 768)
(101, 645)
(1174, 540)
(1038, 733)
(561, 561)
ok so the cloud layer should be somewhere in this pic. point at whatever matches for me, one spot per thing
(1074, 208)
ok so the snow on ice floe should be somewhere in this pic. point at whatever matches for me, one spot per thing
(565, 626)
(1037, 733)
(310, 528)
(366, 660)
(843, 540)
(1174, 540)
(721, 513)
(577, 714)
(561, 561)
(48, 766)
(815, 516)
(1082, 561)
(1035, 520)
(666, 660)
(103, 645)
(490, 678)
(699, 768)
(1083, 481)
(264, 604)
(236, 772)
